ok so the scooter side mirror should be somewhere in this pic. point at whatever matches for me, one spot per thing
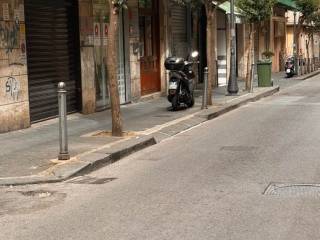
(194, 54)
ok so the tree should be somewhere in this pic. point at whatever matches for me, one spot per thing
(310, 17)
(313, 26)
(254, 11)
(211, 12)
(111, 65)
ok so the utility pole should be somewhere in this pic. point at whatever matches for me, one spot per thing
(296, 64)
(233, 88)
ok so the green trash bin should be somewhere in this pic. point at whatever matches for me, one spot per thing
(264, 73)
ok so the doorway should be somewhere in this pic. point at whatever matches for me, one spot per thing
(222, 48)
(149, 46)
(202, 36)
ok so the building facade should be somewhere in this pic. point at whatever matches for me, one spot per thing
(271, 36)
(14, 95)
(308, 44)
(45, 42)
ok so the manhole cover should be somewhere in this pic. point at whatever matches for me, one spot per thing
(311, 190)
(90, 180)
(162, 116)
(238, 148)
(149, 159)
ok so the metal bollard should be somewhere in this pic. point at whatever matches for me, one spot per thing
(305, 66)
(252, 77)
(63, 131)
(313, 64)
(300, 67)
(205, 89)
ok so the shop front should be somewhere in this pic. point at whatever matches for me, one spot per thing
(94, 27)
(52, 55)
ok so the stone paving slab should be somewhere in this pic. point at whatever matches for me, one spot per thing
(83, 164)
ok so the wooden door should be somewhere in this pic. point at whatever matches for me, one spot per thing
(149, 46)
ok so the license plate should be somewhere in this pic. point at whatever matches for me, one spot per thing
(173, 85)
(288, 70)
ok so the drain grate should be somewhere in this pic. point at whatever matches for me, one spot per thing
(238, 148)
(90, 180)
(279, 189)
(162, 116)
(149, 159)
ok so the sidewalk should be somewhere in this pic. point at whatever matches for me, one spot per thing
(33, 151)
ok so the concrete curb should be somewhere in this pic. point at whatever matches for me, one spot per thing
(92, 161)
(83, 164)
(214, 112)
(309, 75)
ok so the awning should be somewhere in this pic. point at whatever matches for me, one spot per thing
(225, 6)
(288, 4)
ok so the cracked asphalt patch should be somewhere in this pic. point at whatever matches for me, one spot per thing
(13, 202)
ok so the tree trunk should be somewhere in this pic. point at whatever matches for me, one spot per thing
(298, 32)
(250, 58)
(112, 65)
(312, 50)
(308, 54)
(211, 49)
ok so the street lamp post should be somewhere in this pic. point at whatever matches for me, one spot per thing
(296, 64)
(233, 88)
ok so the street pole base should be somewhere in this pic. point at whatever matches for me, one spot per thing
(64, 156)
(232, 94)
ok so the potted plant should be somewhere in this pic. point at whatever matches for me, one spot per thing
(267, 55)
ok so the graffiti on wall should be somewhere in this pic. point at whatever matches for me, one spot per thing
(12, 88)
(9, 35)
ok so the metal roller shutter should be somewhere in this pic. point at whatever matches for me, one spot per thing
(179, 30)
(53, 55)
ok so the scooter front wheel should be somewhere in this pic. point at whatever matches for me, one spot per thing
(191, 102)
(289, 75)
(175, 103)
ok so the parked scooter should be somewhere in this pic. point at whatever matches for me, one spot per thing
(289, 67)
(181, 80)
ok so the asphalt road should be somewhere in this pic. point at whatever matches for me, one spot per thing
(206, 183)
